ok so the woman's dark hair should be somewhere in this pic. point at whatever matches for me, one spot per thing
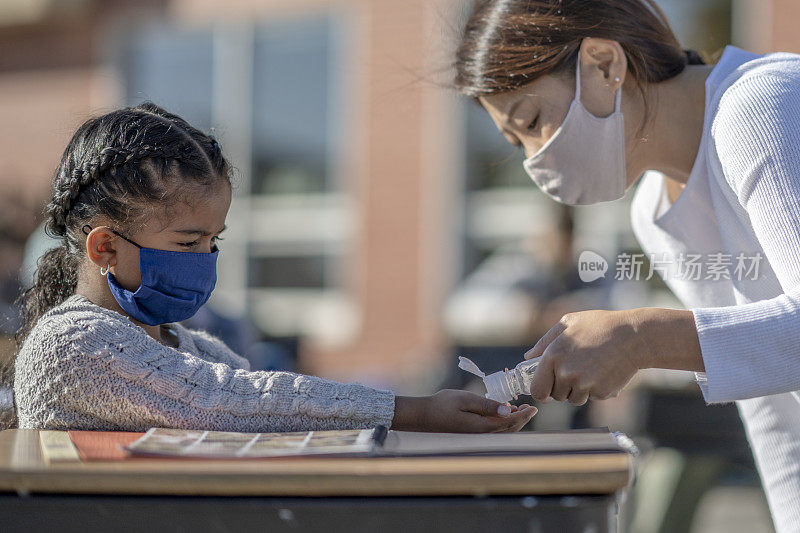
(121, 166)
(507, 44)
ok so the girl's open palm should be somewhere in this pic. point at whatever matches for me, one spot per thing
(454, 411)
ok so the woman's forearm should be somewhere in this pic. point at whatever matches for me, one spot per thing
(594, 354)
(667, 339)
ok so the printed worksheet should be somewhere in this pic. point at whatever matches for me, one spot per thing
(223, 444)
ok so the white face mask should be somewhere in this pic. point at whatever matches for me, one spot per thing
(584, 161)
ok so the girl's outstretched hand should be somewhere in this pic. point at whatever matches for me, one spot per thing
(454, 411)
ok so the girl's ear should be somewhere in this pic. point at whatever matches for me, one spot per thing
(101, 247)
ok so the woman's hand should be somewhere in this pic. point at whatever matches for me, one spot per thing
(593, 354)
(453, 411)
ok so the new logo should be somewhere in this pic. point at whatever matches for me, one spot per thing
(591, 266)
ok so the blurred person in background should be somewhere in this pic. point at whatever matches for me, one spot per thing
(596, 92)
(501, 302)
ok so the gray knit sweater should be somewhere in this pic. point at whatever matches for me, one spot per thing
(87, 367)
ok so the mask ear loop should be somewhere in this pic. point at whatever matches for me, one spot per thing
(118, 234)
(618, 92)
(115, 232)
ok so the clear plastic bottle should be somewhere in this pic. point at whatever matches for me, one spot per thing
(505, 385)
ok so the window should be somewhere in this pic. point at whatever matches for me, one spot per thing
(291, 88)
(272, 94)
(173, 68)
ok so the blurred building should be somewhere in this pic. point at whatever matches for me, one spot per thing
(365, 193)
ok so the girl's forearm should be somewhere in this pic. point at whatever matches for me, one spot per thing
(667, 339)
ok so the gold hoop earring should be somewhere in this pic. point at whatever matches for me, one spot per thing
(104, 271)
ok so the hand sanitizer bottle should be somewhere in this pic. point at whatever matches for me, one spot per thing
(505, 385)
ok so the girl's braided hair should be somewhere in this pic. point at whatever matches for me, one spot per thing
(118, 165)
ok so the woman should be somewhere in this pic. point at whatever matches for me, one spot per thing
(597, 92)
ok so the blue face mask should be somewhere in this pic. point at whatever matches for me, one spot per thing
(174, 284)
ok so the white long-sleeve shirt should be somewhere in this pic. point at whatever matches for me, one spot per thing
(740, 213)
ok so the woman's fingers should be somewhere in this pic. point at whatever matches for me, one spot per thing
(539, 348)
(563, 383)
(561, 390)
(543, 379)
(578, 397)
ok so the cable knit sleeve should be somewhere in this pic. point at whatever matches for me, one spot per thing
(213, 349)
(80, 369)
(753, 350)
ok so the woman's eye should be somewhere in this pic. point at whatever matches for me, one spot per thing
(532, 125)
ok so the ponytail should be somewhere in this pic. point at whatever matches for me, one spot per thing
(693, 58)
(56, 280)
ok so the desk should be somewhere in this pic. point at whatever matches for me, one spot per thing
(534, 493)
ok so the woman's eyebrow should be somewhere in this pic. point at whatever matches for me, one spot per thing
(513, 109)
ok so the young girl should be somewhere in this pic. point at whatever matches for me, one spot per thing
(139, 200)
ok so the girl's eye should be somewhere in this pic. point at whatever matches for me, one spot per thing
(532, 125)
(214, 241)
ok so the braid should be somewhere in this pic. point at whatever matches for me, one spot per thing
(110, 157)
(64, 195)
(215, 156)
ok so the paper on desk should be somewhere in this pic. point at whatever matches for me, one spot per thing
(230, 445)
